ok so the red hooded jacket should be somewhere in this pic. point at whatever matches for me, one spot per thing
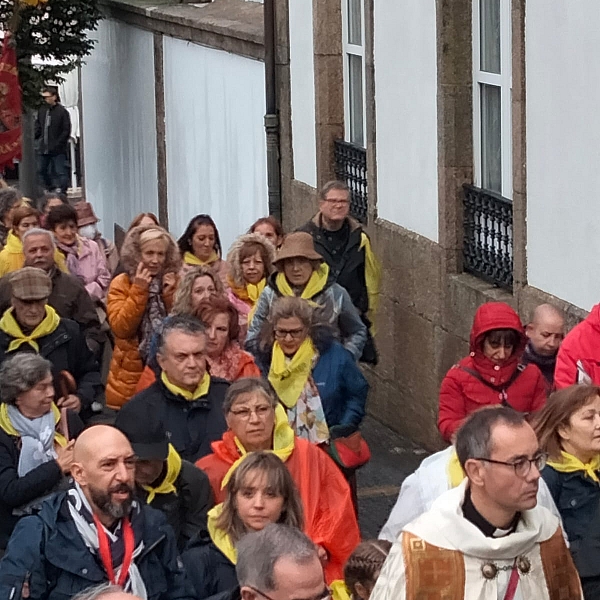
(462, 393)
(578, 359)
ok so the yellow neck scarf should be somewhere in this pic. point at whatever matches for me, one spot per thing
(7, 426)
(220, 539)
(289, 380)
(283, 443)
(455, 471)
(571, 464)
(254, 291)
(13, 244)
(316, 283)
(9, 325)
(372, 276)
(200, 391)
(192, 259)
(339, 590)
(167, 486)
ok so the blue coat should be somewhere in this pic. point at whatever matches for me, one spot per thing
(342, 386)
(47, 551)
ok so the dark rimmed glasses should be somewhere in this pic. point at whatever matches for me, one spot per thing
(523, 465)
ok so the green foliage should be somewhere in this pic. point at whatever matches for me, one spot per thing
(56, 31)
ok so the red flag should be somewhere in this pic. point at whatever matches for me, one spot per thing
(10, 105)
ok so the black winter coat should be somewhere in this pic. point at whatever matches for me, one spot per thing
(17, 491)
(58, 131)
(186, 510)
(48, 553)
(207, 568)
(191, 426)
(577, 498)
(67, 350)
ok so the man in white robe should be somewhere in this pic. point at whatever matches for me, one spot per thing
(486, 539)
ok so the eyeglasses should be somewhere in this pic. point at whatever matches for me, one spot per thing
(295, 334)
(523, 465)
(337, 201)
(244, 413)
(325, 595)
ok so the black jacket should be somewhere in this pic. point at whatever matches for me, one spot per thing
(17, 491)
(48, 552)
(207, 568)
(68, 298)
(577, 498)
(67, 350)
(59, 129)
(186, 510)
(190, 425)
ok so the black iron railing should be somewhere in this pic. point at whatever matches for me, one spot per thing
(351, 167)
(488, 236)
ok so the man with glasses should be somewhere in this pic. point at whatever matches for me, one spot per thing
(52, 131)
(487, 538)
(279, 563)
(346, 248)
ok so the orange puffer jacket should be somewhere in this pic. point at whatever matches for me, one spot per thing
(125, 307)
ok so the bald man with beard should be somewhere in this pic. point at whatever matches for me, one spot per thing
(96, 532)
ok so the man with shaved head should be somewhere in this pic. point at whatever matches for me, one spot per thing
(545, 332)
(96, 532)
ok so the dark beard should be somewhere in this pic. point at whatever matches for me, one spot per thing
(105, 505)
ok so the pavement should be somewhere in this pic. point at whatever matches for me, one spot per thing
(393, 458)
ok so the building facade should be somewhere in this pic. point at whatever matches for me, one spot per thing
(467, 132)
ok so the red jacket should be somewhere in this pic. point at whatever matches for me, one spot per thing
(329, 518)
(462, 393)
(578, 359)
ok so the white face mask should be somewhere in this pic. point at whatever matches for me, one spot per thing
(89, 231)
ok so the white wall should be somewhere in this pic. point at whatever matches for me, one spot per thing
(406, 113)
(119, 125)
(563, 149)
(303, 91)
(216, 150)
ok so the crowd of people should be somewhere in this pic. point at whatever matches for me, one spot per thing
(181, 423)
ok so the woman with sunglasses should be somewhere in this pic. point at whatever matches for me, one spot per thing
(568, 429)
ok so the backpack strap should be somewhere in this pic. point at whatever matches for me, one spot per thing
(501, 389)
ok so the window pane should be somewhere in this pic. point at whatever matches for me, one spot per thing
(356, 100)
(491, 136)
(354, 22)
(490, 35)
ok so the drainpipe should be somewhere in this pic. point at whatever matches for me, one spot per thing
(271, 116)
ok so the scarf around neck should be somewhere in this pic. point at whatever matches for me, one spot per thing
(167, 485)
(315, 285)
(571, 464)
(192, 259)
(38, 436)
(9, 325)
(72, 256)
(284, 442)
(82, 515)
(200, 391)
(219, 537)
(249, 292)
(153, 317)
(289, 378)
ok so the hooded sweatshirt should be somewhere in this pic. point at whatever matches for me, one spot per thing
(461, 392)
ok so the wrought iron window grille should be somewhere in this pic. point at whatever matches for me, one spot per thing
(351, 167)
(488, 236)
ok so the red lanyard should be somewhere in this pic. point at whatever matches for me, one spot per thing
(106, 555)
(513, 583)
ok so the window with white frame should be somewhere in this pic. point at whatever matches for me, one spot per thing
(492, 95)
(353, 33)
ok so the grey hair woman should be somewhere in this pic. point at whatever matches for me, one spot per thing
(34, 454)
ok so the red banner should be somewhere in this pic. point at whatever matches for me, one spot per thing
(10, 105)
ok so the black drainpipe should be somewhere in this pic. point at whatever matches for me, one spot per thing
(271, 116)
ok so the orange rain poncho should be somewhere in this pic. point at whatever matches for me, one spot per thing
(329, 517)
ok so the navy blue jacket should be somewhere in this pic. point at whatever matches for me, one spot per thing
(342, 386)
(577, 498)
(47, 552)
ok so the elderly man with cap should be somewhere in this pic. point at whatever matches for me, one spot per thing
(165, 481)
(87, 228)
(301, 272)
(31, 325)
(95, 533)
